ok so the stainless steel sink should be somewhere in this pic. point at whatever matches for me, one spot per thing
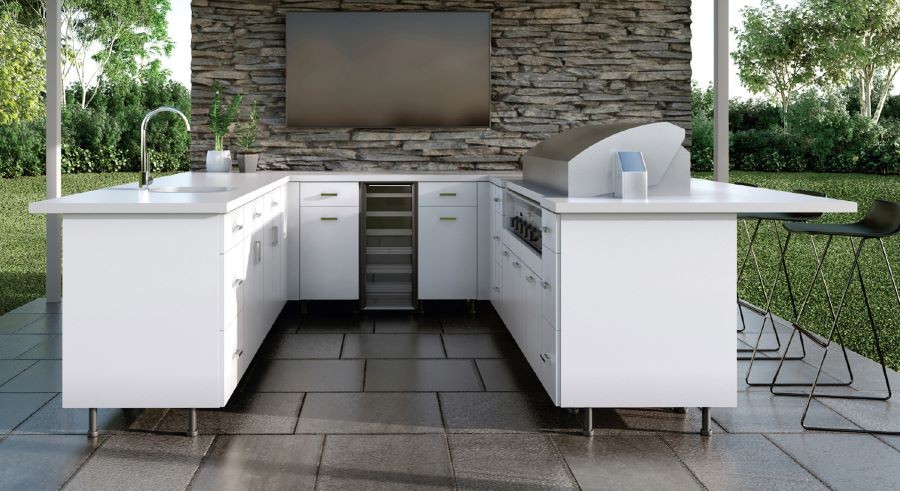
(190, 189)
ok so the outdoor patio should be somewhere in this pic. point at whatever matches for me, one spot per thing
(439, 401)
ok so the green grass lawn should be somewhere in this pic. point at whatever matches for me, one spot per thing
(22, 250)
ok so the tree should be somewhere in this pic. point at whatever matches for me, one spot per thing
(774, 52)
(859, 42)
(21, 71)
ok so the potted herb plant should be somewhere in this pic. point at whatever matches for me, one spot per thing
(220, 118)
(247, 157)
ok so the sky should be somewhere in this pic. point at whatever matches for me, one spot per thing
(701, 43)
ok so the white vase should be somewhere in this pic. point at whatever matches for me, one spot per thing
(218, 161)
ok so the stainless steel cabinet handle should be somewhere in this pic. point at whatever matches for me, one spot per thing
(517, 264)
(546, 230)
(239, 353)
(256, 215)
(448, 195)
(274, 204)
(546, 285)
(328, 219)
(448, 219)
(496, 288)
(275, 235)
(506, 254)
(545, 357)
(237, 282)
(530, 279)
(496, 237)
(328, 195)
(237, 228)
(496, 200)
(258, 247)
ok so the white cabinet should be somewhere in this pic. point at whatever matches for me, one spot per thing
(549, 357)
(448, 248)
(329, 194)
(329, 253)
(274, 254)
(532, 322)
(448, 194)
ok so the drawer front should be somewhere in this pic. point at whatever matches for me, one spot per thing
(231, 360)
(549, 373)
(448, 247)
(550, 229)
(329, 194)
(235, 277)
(550, 287)
(255, 215)
(329, 253)
(497, 198)
(235, 231)
(448, 194)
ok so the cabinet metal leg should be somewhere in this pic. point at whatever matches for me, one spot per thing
(705, 422)
(92, 423)
(192, 423)
(587, 422)
(471, 306)
(304, 307)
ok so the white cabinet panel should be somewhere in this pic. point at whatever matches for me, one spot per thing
(532, 322)
(448, 194)
(497, 198)
(292, 249)
(550, 231)
(254, 216)
(485, 244)
(550, 286)
(233, 289)
(231, 357)
(329, 194)
(234, 229)
(448, 253)
(549, 374)
(329, 253)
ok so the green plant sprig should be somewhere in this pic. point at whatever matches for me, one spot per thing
(248, 131)
(219, 120)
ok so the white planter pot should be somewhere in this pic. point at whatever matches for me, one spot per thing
(218, 161)
(247, 162)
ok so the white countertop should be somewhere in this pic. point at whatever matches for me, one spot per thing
(706, 196)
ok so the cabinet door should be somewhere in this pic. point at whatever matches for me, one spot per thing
(329, 253)
(255, 317)
(511, 293)
(233, 286)
(448, 248)
(274, 247)
(532, 320)
(550, 361)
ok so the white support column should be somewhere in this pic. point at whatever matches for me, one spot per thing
(54, 148)
(720, 87)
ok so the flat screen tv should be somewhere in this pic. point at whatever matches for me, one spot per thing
(388, 69)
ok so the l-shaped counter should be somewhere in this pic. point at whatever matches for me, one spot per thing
(627, 303)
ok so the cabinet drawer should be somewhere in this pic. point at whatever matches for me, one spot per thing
(255, 215)
(235, 231)
(231, 360)
(549, 373)
(329, 253)
(497, 198)
(235, 275)
(329, 194)
(550, 286)
(550, 229)
(448, 194)
(448, 245)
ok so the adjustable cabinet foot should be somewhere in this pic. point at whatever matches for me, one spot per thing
(304, 307)
(92, 423)
(587, 422)
(192, 423)
(705, 422)
(471, 306)
(679, 410)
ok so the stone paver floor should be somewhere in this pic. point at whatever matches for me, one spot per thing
(442, 400)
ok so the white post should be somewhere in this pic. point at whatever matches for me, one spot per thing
(720, 87)
(54, 148)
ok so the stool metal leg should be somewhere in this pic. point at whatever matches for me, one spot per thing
(750, 252)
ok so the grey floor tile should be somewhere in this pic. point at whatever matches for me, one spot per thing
(392, 346)
(662, 421)
(308, 376)
(421, 376)
(466, 323)
(507, 374)
(43, 376)
(54, 419)
(142, 461)
(10, 323)
(300, 346)
(407, 323)
(845, 461)
(13, 345)
(624, 462)
(503, 412)
(246, 413)
(32, 462)
(385, 462)
(47, 324)
(313, 323)
(15, 408)
(740, 462)
(371, 413)
(509, 462)
(479, 345)
(51, 349)
(10, 368)
(872, 415)
(39, 306)
(791, 372)
(271, 462)
(761, 412)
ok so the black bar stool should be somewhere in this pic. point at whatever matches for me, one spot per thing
(769, 294)
(881, 221)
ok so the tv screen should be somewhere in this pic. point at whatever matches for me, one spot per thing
(388, 69)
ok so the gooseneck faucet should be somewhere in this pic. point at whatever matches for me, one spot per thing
(145, 179)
